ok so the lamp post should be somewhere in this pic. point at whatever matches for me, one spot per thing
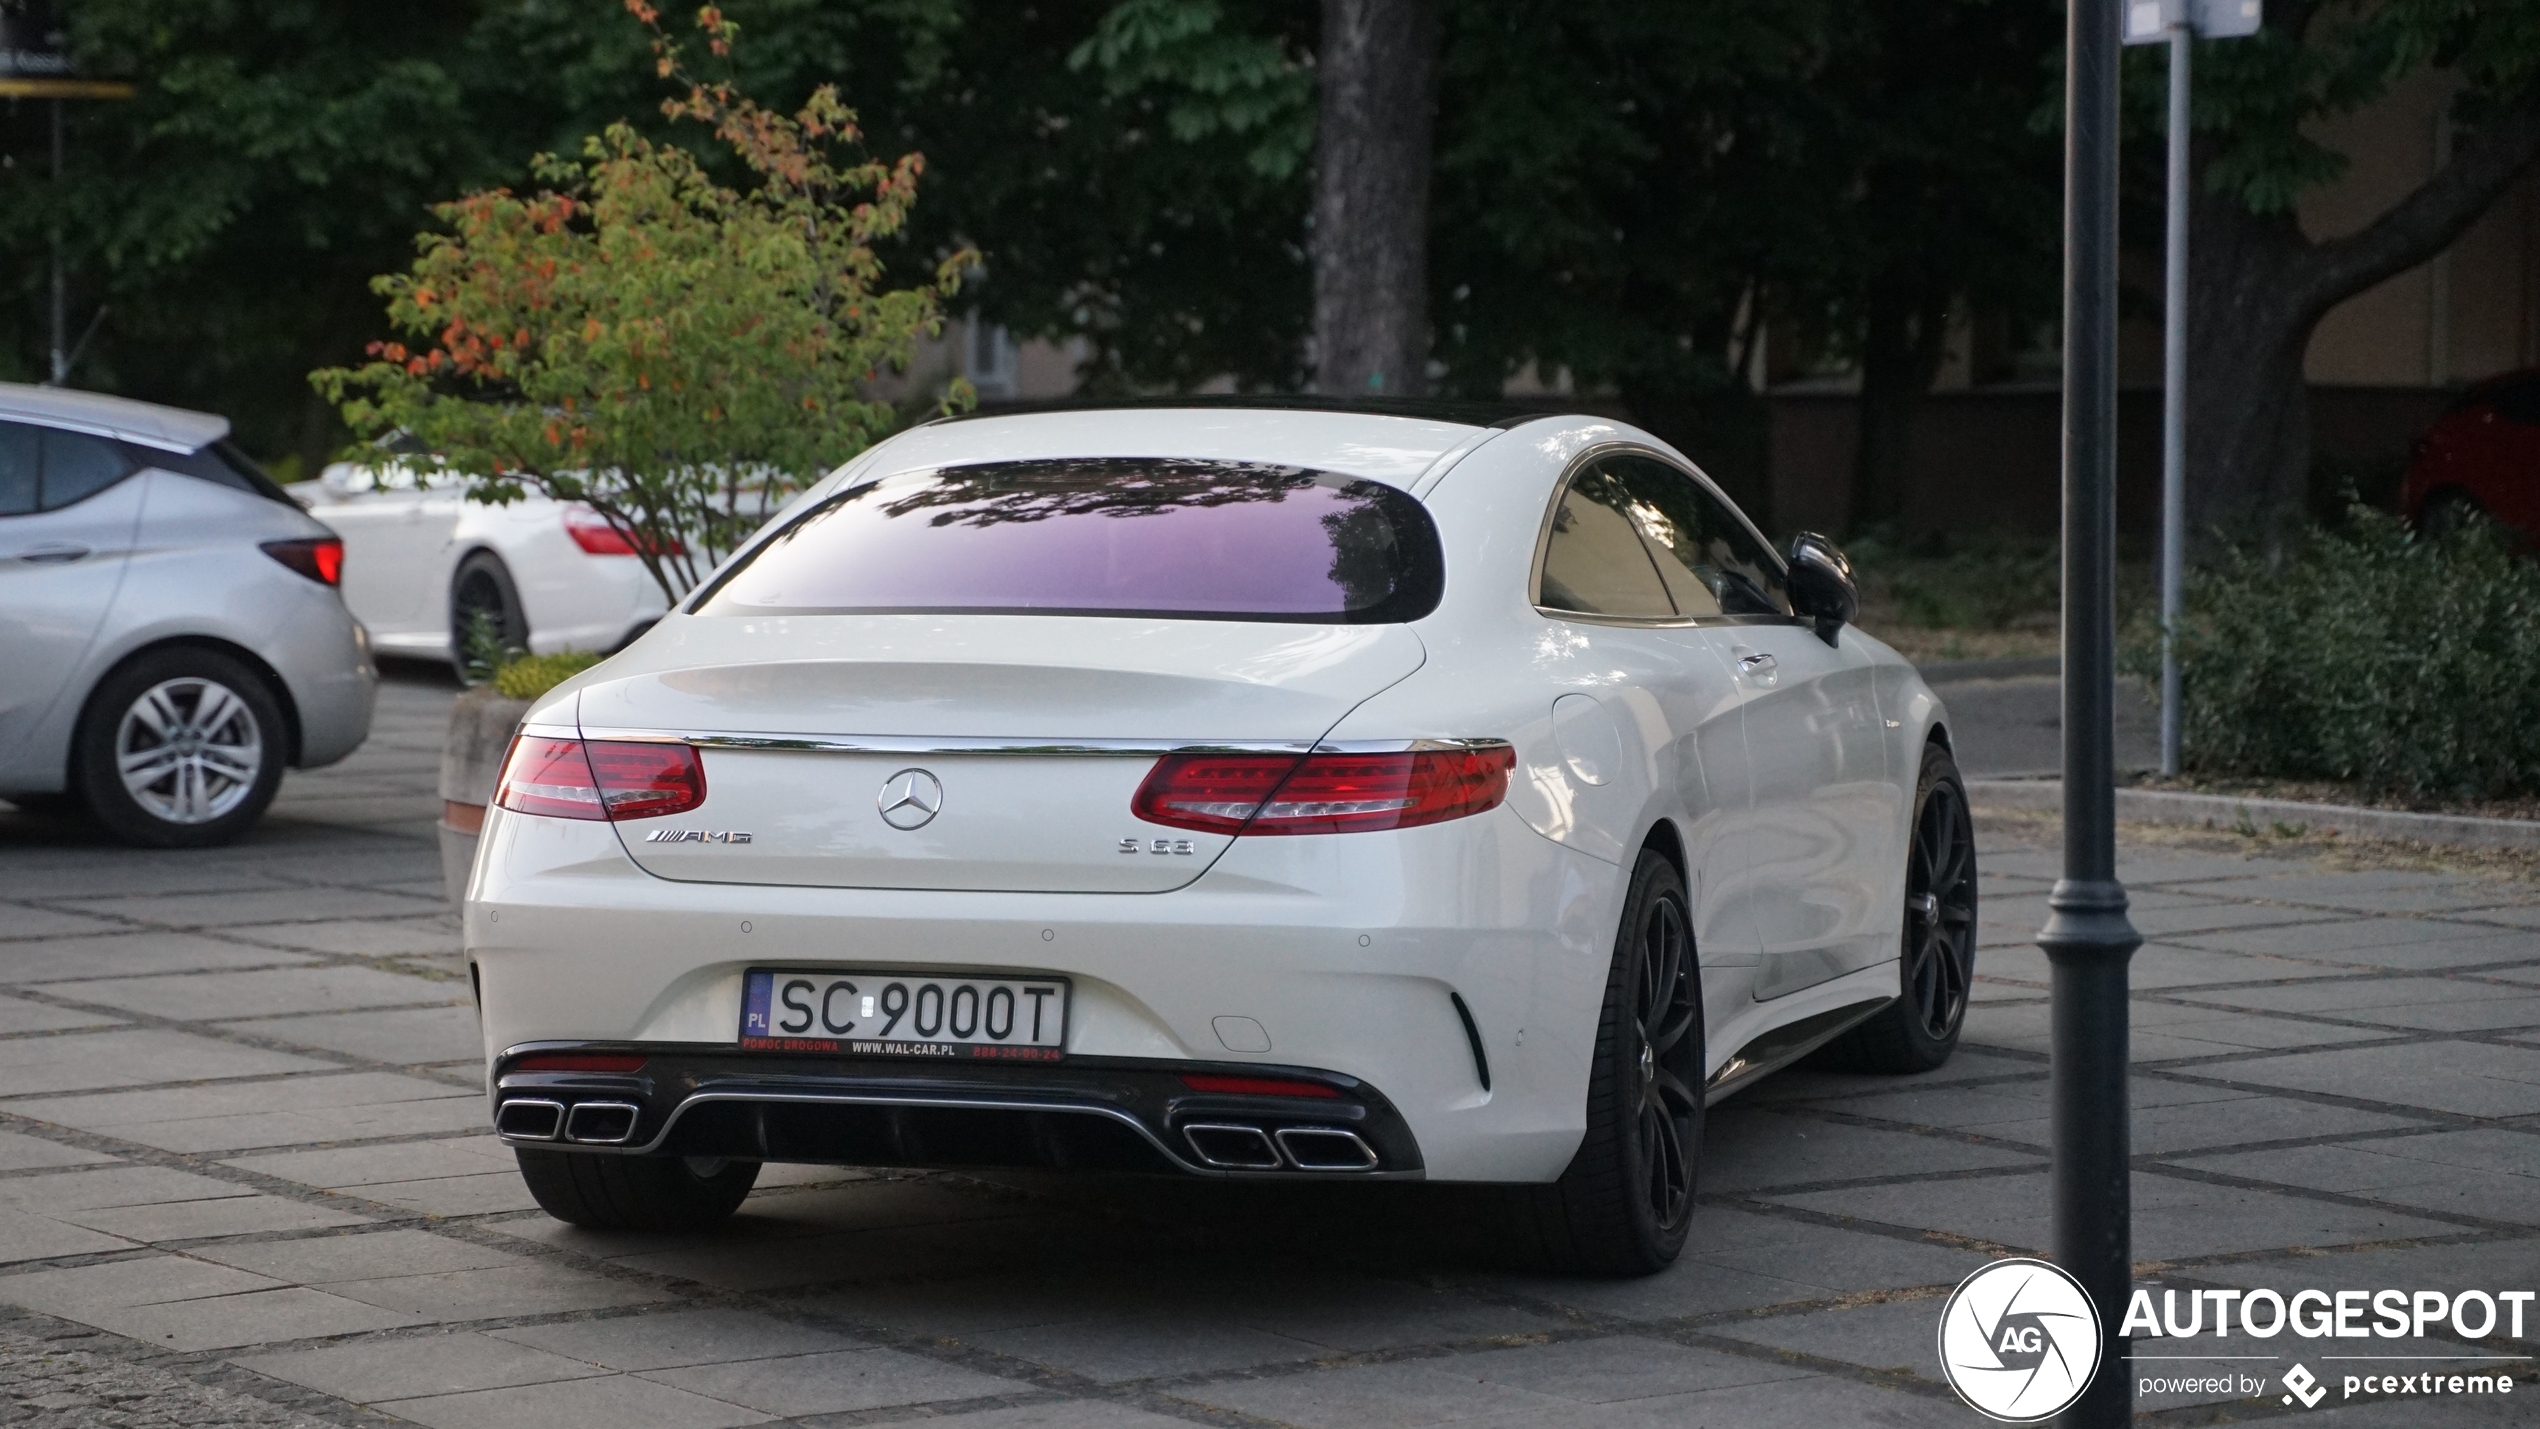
(2087, 938)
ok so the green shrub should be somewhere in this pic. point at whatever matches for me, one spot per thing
(2364, 655)
(526, 677)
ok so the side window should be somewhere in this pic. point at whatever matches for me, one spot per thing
(1594, 562)
(18, 448)
(77, 467)
(1711, 563)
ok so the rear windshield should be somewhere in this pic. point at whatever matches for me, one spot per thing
(1203, 540)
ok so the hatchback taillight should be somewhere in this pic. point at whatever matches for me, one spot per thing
(1324, 793)
(600, 779)
(320, 558)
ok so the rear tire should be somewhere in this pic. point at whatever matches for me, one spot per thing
(179, 748)
(482, 585)
(1919, 1030)
(2446, 514)
(636, 1193)
(1625, 1203)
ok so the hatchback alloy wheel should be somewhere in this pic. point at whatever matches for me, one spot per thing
(189, 750)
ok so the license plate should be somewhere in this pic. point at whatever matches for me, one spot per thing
(899, 1014)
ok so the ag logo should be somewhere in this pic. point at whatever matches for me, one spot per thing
(2019, 1341)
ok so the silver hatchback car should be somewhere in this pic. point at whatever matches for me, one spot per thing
(171, 633)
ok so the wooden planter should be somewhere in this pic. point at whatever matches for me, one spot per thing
(481, 727)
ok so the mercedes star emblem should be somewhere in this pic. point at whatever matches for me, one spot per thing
(911, 799)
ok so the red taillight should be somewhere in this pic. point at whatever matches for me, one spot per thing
(592, 532)
(1255, 1086)
(579, 1062)
(1214, 793)
(320, 558)
(1323, 793)
(600, 779)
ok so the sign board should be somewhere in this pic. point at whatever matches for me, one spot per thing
(2149, 22)
(34, 63)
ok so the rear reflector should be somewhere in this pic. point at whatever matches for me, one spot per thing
(1255, 1086)
(1324, 793)
(320, 558)
(600, 779)
(579, 1062)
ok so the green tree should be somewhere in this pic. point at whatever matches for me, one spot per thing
(2257, 285)
(677, 354)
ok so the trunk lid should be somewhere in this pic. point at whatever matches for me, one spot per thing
(971, 753)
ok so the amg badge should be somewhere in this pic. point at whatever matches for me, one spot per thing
(695, 836)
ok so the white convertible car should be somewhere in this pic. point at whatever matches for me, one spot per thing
(1234, 791)
(420, 560)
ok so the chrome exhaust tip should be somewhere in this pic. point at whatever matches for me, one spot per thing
(601, 1123)
(529, 1119)
(1232, 1148)
(1326, 1148)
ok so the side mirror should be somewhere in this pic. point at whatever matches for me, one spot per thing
(1821, 584)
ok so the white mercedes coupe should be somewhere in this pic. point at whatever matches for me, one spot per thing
(1251, 790)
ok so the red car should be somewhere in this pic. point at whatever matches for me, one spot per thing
(2483, 455)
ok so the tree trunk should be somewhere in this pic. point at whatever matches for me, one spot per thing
(2248, 409)
(1376, 78)
(2257, 288)
(1900, 354)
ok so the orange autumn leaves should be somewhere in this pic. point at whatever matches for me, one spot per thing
(677, 354)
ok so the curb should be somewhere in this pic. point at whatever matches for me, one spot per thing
(2150, 806)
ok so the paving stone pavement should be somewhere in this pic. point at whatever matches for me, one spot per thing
(245, 1179)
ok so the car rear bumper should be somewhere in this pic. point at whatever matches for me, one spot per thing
(1347, 954)
(1096, 1113)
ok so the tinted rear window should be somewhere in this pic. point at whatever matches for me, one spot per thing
(1115, 536)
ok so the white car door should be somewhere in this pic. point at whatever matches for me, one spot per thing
(1820, 837)
(395, 529)
(1644, 664)
(67, 518)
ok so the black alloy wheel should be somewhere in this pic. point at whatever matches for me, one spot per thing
(1625, 1203)
(1937, 952)
(1940, 910)
(1664, 1010)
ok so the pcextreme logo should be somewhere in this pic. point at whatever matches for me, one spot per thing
(2019, 1341)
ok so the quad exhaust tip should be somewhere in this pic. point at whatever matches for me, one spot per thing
(530, 1119)
(1326, 1148)
(1229, 1146)
(601, 1123)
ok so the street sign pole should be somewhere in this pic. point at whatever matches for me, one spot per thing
(61, 289)
(2178, 23)
(2087, 938)
(2174, 397)
(35, 65)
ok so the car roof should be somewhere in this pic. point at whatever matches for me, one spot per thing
(1394, 447)
(168, 428)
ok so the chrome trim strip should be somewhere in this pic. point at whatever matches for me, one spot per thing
(549, 731)
(1737, 1071)
(915, 744)
(1048, 749)
(961, 1103)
